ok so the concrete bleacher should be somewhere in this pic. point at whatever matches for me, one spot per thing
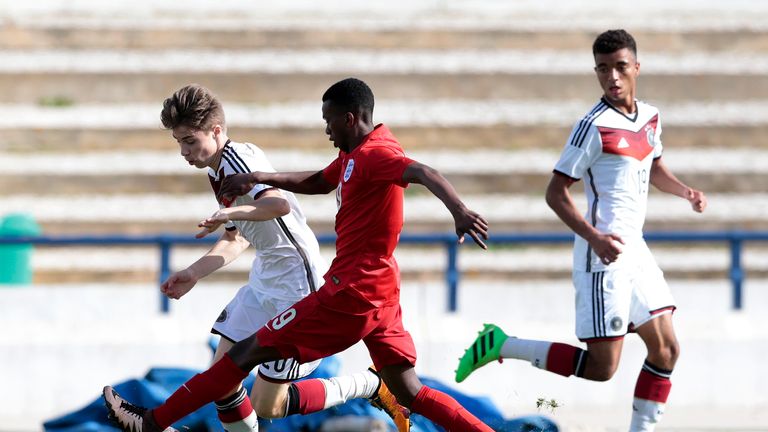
(485, 90)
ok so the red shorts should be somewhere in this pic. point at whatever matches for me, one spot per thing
(321, 325)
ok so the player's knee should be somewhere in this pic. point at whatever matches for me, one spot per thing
(666, 356)
(604, 371)
(604, 374)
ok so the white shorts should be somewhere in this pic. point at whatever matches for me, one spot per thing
(243, 316)
(612, 302)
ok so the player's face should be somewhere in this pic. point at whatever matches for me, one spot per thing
(336, 126)
(617, 73)
(198, 147)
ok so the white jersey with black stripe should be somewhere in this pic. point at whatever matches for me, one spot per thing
(612, 152)
(287, 265)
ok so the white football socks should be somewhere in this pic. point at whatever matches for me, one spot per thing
(524, 349)
(341, 389)
(249, 424)
(645, 415)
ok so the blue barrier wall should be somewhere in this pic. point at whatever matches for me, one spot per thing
(735, 239)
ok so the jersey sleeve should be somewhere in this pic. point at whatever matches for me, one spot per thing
(580, 152)
(658, 148)
(251, 159)
(386, 165)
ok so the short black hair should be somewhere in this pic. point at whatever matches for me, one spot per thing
(613, 40)
(352, 95)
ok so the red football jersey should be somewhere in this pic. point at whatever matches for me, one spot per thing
(369, 218)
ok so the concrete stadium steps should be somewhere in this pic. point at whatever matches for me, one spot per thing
(177, 213)
(115, 76)
(86, 88)
(243, 35)
(494, 137)
(420, 124)
(465, 183)
(527, 172)
(140, 264)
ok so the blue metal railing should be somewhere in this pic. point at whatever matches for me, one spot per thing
(735, 239)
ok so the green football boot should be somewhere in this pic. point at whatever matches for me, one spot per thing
(484, 349)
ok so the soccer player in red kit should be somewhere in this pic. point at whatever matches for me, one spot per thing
(361, 296)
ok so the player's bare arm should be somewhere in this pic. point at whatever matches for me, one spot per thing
(466, 220)
(304, 182)
(559, 199)
(269, 205)
(664, 180)
(225, 250)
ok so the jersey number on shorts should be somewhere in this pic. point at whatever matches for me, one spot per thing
(284, 319)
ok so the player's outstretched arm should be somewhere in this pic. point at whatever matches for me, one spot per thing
(665, 181)
(559, 199)
(466, 220)
(304, 182)
(269, 205)
(225, 250)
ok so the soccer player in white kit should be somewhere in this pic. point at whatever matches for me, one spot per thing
(287, 266)
(616, 150)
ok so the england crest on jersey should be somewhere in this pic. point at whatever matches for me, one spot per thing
(348, 171)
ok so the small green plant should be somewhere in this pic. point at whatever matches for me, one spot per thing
(549, 405)
(55, 101)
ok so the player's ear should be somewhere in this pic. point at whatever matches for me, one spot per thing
(349, 119)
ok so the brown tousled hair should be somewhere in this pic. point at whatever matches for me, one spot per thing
(193, 106)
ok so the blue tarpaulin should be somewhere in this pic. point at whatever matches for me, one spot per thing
(159, 383)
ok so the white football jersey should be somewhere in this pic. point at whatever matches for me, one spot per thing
(612, 153)
(288, 265)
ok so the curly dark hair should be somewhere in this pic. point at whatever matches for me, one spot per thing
(352, 95)
(613, 40)
(193, 106)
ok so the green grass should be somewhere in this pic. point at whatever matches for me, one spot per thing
(55, 101)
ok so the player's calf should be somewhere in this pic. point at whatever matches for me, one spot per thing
(383, 399)
(236, 413)
(651, 393)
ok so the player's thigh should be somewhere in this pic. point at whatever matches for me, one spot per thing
(603, 302)
(269, 398)
(246, 313)
(388, 342)
(651, 296)
(603, 359)
(606, 352)
(316, 327)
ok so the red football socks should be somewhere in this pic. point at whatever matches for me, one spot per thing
(566, 360)
(201, 389)
(445, 411)
(235, 408)
(653, 384)
(310, 396)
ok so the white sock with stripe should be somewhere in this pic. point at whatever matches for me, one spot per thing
(338, 390)
(524, 349)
